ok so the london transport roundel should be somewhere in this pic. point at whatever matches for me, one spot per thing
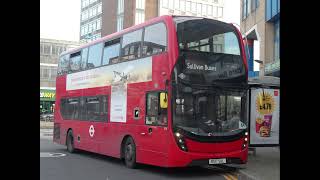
(91, 131)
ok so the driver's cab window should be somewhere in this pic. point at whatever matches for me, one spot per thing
(229, 109)
(155, 115)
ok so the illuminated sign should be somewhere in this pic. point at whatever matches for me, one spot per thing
(47, 95)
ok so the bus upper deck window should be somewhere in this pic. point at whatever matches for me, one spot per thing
(155, 39)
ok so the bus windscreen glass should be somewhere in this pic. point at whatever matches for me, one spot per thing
(208, 79)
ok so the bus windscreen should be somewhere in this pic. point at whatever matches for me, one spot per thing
(209, 52)
(208, 79)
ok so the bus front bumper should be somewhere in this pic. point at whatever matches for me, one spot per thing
(183, 159)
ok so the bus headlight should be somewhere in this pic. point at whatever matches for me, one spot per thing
(180, 141)
(177, 134)
(245, 140)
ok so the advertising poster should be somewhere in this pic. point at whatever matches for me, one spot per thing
(264, 117)
(118, 76)
(118, 110)
(130, 72)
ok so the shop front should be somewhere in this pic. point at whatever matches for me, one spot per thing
(47, 100)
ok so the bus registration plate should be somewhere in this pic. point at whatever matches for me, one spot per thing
(217, 161)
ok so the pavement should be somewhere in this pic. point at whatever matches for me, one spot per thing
(46, 125)
(264, 164)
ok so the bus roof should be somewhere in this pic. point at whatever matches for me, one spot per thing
(136, 27)
(116, 34)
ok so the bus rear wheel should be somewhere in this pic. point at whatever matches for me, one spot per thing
(70, 144)
(130, 153)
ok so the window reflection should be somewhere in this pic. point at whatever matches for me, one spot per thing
(155, 39)
(155, 115)
(94, 57)
(111, 52)
(131, 45)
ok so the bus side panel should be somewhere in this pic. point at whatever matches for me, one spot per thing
(152, 148)
(81, 128)
(136, 102)
(60, 91)
(113, 139)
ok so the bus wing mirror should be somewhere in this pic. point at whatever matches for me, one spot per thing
(163, 100)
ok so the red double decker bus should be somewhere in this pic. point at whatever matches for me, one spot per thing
(170, 92)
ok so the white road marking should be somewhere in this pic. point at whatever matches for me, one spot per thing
(48, 154)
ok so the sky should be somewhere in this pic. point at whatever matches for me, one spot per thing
(60, 19)
(232, 11)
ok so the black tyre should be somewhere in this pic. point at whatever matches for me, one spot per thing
(70, 142)
(130, 153)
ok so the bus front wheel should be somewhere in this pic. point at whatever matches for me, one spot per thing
(130, 153)
(70, 144)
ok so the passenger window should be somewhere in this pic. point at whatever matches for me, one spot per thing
(111, 52)
(70, 108)
(104, 108)
(84, 56)
(94, 57)
(93, 108)
(75, 61)
(82, 107)
(154, 114)
(63, 108)
(63, 65)
(131, 45)
(73, 108)
(155, 39)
